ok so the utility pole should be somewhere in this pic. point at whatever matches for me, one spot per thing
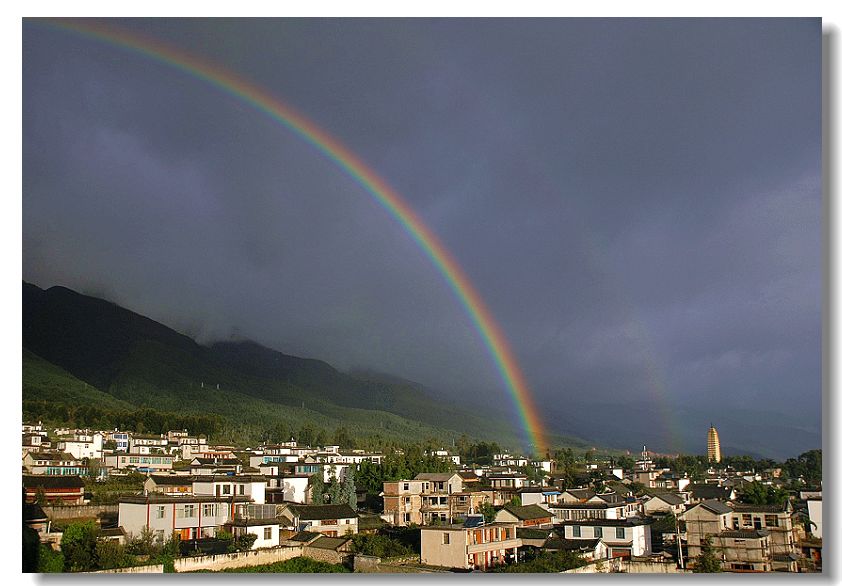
(678, 540)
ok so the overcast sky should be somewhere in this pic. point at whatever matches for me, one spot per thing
(638, 202)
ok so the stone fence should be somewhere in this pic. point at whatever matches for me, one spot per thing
(223, 561)
(625, 566)
(326, 555)
(54, 512)
(153, 569)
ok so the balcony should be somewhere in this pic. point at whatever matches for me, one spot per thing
(495, 545)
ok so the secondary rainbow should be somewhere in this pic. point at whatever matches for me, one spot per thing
(490, 333)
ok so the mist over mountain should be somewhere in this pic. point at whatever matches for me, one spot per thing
(143, 363)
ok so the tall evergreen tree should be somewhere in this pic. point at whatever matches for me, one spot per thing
(709, 561)
(333, 491)
(349, 489)
(317, 487)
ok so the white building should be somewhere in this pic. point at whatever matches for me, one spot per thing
(82, 445)
(191, 516)
(623, 537)
(268, 531)
(814, 510)
(147, 443)
(480, 548)
(140, 462)
(252, 486)
(291, 488)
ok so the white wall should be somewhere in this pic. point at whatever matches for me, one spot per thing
(814, 510)
(132, 517)
(638, 537)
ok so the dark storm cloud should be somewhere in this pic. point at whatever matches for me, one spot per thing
(637, 201)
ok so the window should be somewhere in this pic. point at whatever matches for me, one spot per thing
(159, 512)
(445, 538)
(226, 489)
(771, 520)
(210, 510)
(406, 486)
(267, 533)
(242, 489)
(577, 531)
(620, 533)
(597, 532)
(187, 511)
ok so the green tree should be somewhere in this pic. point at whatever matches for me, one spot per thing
(381, 546)
(515, 502)
(111, 554)
(40, 496)
(143, 544)
(756, 493)
(78, 544)
(807, 466)
(50, 561)
(244, 542)
(709, 561)
(625, 462)
(317, 489)
(546, 562)
(307, 435)
(488, 511)
(333, 491)
(348, 493)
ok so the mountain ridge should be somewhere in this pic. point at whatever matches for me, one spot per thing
(142, 362)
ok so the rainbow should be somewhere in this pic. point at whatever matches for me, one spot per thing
(489, 331)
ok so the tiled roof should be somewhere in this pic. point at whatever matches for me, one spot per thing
(580, 493)
(33, 512)
(52, 456)
(669, 498)
(629, 522)
(707, 491)
(744, 508)
(741, 534)
(230, 478)
(333, 543)
(36, 480)
(714, 506)
(255, 522)
(560, 505)
(320, 512)
(305, 536)
(216, 461)
(528, 512)
(530, 533)
(557, 543)
(434, 476)
(171, 479)
(610, 497)
(160, 498)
